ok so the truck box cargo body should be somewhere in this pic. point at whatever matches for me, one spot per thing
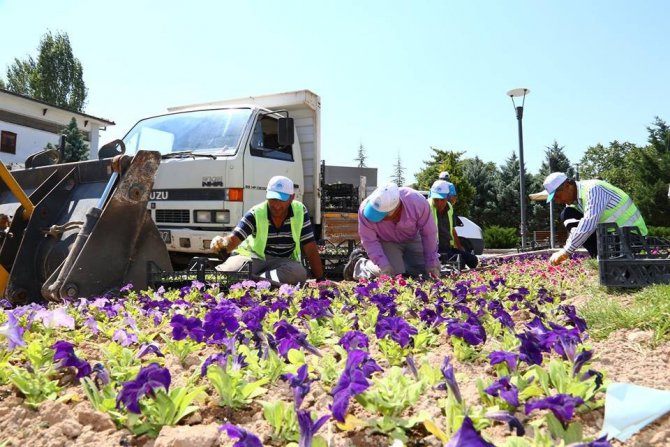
(218, 158)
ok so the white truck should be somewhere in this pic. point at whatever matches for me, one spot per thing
(218, 158)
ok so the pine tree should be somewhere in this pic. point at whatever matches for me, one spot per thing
(450, 161)
(362, 156)
(556, 161)
(398, 176)
(75, 147)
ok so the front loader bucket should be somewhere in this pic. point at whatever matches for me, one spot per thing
(88, 234)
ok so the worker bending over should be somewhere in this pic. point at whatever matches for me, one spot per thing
(398, 233)
(590, 202)
(449, 245)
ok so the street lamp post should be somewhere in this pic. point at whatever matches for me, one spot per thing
(521, 92)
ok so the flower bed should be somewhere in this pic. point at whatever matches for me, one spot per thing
(491, 356)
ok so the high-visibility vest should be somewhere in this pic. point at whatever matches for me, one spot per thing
(624, 214)
(257, 244)
(450, 215)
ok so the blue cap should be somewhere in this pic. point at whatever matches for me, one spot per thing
(372, 214)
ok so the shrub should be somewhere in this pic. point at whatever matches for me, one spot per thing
(663, 232)
(500, 237)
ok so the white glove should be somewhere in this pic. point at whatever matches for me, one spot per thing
(218, 243)
(434, 271)
(558, 257)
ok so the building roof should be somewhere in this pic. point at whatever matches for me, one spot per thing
(28, 98)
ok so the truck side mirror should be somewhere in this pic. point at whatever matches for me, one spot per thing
(285, 131)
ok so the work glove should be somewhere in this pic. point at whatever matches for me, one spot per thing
(558, 257)
(434, 271)
(219, 244)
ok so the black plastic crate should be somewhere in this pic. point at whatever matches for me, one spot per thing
(199, 269)
(628, 259)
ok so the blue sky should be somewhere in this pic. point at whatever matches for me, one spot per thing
(394, 76)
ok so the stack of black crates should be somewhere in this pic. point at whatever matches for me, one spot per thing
(340, 197)
(199, 269)
(628, 259)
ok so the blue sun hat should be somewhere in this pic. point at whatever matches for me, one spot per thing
(552, 183)
(280, 187)
(381, 202)
(439, 190)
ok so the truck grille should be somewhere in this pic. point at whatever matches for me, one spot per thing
(172, 216)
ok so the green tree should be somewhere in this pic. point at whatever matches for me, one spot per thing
(362, 156)
(398, 176)
(450, 161)
(483, 177)
(651, 175)
(556, 161)
(20, 76)
(55, 77)
(75, 147)
(613, 164)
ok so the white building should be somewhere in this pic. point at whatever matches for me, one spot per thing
(27, 125)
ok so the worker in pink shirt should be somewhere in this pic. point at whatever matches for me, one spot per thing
(398, 233)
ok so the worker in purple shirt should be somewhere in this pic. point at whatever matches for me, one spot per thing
(398, 233)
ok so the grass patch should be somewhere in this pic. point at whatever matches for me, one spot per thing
(648, 309)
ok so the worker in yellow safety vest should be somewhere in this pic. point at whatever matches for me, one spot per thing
(449, 245)
(272, 236)
(590, 202)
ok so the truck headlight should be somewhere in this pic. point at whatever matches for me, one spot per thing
(204, 216)
(222, 216)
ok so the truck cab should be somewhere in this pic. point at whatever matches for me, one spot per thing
(218, 158)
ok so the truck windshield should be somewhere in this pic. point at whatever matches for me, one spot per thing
(203, 131)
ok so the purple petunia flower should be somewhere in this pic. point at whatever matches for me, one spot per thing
(505, 389)
(467, 436)
(13, 332)
(92, 325)
(64, 357)
(600, 442)
(354, 340)
(220, 321)
(183, 327)
(397, 328)
(253, 318)
(308, 427)
(288, 337)
(124, 338)
(315, 308)
(149, 379)
(222, 359)
(471, 331)
(572, 317)
(512, 421)
(450, 379)
(287, 290)
(100, 375)
(510, 358)
(149, 348)
(353, 381)
(56, 318)
(530, 350)
(244, 437)
(299, 383)
(562, 405)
